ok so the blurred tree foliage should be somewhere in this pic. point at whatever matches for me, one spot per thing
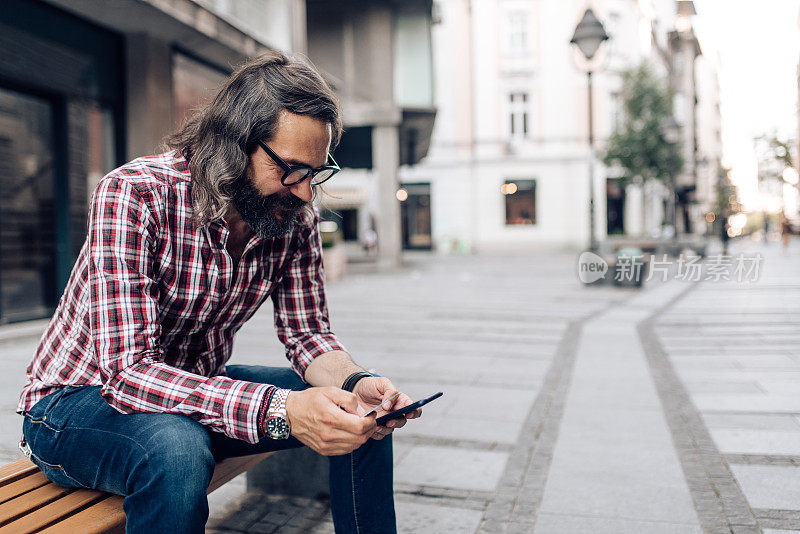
(780, 150)
(639, 145)
(727, 201)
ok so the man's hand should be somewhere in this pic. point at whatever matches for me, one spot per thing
(373, 391)
(326, 419)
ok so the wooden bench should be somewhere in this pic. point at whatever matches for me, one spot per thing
(31, 503)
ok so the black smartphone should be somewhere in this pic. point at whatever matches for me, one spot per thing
(410, 408)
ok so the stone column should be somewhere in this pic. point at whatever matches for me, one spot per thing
(149, 93)
(386, 157)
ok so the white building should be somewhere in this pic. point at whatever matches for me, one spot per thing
(508, 162)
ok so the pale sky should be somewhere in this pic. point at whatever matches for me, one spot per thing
(758, 43)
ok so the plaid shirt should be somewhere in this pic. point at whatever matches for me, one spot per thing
(153, 303)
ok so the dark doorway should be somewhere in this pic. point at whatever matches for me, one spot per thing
(615, 207)
(349, 224)
(27, 207)
(416, 215)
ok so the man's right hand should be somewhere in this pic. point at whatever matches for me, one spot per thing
(326, 419)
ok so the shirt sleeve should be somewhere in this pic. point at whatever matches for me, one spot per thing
(125, 328)
(301, 310)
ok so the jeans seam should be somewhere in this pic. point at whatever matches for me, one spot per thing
(99, 430)
(353, 485)
(59, 468)
(42, 421)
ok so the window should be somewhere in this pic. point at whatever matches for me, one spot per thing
(518, 114)
(615, 105)
(517, 33)
(520, 196)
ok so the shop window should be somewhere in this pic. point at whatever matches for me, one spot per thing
(520, 198)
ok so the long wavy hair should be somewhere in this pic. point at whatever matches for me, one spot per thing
(219, 138)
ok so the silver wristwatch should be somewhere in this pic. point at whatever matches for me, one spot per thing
(276, 422)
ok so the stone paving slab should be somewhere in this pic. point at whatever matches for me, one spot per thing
(451, 467)
(770, 487)
(549, 523)
(757, 441)
(752, 421)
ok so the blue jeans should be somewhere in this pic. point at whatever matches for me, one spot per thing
(162, 463)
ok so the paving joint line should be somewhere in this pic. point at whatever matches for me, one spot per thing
(519, 492)
(784, 460)
(452, 442)
(718, 500)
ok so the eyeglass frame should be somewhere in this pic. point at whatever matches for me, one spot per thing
(289, 169)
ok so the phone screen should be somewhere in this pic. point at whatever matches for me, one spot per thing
(410, 408)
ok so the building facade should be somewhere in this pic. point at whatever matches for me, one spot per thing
(86, 85)
(509, 160)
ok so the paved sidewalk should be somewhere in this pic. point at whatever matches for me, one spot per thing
(614, 468)
(675, 408)
(736, 350)
(485, 331)
(570, 409)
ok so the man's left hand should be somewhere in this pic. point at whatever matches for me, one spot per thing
(376, 390)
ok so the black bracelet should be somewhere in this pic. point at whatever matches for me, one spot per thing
(350, 381)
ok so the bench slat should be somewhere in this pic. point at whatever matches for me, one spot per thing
(28, 503)
(21, 486)
(52, 512)
(230, 468)
(16, 470)
(104, 513)
(105, 516)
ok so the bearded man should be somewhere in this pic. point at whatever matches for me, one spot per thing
(129, 391)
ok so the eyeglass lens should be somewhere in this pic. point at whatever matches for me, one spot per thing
(299, 175)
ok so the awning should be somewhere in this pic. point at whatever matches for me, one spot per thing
(342, 199)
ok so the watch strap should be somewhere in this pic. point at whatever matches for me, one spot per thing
(277, 404)
(351, 381)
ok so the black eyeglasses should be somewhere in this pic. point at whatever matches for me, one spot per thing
(294, 174)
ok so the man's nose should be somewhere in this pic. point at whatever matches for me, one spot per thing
(302, 190)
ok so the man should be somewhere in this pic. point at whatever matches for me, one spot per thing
(129, 391)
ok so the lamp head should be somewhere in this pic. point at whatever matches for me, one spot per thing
(589, 34)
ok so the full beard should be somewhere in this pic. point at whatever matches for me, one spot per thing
(269, 216)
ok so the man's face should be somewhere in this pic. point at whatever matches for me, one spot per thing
(263, 202)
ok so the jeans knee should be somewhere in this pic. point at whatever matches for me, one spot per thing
(180, 456)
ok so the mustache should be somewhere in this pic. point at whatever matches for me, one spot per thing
(286, 200)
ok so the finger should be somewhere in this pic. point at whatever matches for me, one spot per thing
(401, 401)
(379, 433)
(376, 437)
(352, 424)
(413, 415)
(377, 391)
(396, 423)
(343, 398)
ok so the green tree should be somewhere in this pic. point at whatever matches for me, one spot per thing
(773, 147)
(640, 144)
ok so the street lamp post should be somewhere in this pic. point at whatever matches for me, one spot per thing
(672, 132)
(588, 36)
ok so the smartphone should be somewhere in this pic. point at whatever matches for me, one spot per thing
(410, 408)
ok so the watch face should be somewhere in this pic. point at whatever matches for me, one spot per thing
(277, 428)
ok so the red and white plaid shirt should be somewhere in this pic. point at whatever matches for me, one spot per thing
(153, 303)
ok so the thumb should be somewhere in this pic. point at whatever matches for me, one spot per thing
(344, 399)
